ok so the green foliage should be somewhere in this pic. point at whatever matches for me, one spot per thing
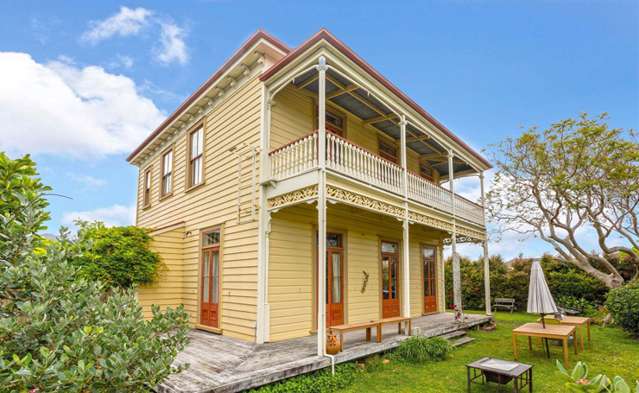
(565, 282)
(623, 304)
(118, 256)
(578, 381)
(421, 349)
(578, 304)
(317, 382)
(22, 205)
(60, 332)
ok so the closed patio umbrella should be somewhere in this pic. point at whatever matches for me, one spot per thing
(540, 299)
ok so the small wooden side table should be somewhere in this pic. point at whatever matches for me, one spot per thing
(580, 322)
(488, 370)
(553, 332)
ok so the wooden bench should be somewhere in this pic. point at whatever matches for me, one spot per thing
(341, 329)
(505, 303)
(398, 321)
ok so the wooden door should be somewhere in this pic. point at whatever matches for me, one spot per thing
(390, 279)
(334, 287)
(210, 285)
(429, 279)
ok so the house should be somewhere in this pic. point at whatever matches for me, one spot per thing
(298, 189)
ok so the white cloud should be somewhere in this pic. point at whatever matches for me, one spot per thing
(87, 181)
(122, 61)
(60, 108)
(172, 45)
(112, 216)
(126, 22)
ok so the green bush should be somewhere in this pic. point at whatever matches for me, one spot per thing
(577, 381)
(578, 304)
(421, 349)
(623, 305)
(118, 256)
(317, 382)
(60, 332)
(511, 281)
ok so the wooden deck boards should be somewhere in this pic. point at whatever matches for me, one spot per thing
(219, 364)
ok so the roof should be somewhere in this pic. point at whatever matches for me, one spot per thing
(260, 34)
(324, 34)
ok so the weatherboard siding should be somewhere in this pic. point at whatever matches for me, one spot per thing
(234, 123)
(291, 289)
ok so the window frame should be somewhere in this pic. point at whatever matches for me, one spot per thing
(189, 160)
(330, 127)
(385, 140)
(146, 190)
(422, 174)
(166, 194)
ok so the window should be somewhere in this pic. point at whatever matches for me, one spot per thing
(426, 171)
(335, 122)
(387, 150)
(196, 157)
(147, 187)
(167, 173)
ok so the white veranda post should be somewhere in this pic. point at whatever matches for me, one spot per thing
(321, 210)
(457, 293)
(487, 296)
(405, 225)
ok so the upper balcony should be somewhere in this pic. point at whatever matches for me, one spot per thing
(348, 159)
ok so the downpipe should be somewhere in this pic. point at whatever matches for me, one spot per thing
(332, 357)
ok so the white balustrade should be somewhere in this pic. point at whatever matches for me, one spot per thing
(346, 158)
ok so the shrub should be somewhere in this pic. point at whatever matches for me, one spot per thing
(60, 332)
(578, 381)
(118, 256)
(420, 349)
(316, 382)
(582, 305)
(623, 304)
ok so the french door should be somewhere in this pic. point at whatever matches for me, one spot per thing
(390, 273)
(334, 279)
(210, 285)
(429, 279)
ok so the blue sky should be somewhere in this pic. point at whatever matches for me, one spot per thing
(80, 86)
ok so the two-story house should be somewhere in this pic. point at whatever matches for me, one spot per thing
(297, 189)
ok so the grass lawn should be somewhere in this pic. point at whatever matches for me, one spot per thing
(612, 353)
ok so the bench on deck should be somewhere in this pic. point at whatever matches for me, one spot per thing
(505, 303)
(399, 321)
(341, 329)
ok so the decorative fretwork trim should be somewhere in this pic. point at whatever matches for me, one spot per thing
(358, 200)
(293, 197)
(430, 221)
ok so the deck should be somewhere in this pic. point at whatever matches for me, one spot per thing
(222, 364)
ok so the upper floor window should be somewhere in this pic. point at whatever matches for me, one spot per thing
(426, 170)
(167, 173)
(387, 149)
(335, 122)
(147, 187)
(196, 157)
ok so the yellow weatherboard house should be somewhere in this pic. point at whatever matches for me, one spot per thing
(298, 189)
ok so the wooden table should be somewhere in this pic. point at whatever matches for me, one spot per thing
(521, 375)
(580, 322)
(553, 332)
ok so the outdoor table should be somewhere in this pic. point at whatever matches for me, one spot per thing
(553, 332)
(575, 321)
(501, 372)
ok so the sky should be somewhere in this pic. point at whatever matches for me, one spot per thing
(81, 86)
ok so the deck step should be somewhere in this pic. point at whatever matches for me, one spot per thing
(461, 341)
(453, 334)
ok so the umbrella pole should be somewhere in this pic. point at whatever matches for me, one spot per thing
(543, 324)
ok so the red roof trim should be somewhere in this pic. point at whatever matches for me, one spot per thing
(260, 34)
(326, 35)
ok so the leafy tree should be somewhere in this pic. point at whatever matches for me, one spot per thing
(60, 332)
(118, 256)
(578, 175)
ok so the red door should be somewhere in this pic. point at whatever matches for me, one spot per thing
(210, 299)
(430, 279)
(390, 273)
(334, 287)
